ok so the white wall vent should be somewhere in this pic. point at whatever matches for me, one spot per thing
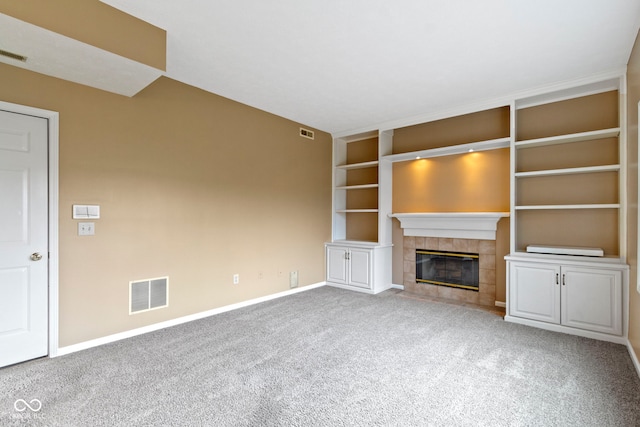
(306, 133)
(148, 294)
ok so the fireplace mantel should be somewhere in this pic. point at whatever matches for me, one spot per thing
(460, 225)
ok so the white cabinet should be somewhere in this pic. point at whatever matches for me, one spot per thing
(349, 266)
(358, 266)
(591, 299)
(337, 264)
(573, 296)
(534, 291)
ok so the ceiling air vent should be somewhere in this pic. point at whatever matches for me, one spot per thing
(148, 294)
(306, 133)
(13, 55)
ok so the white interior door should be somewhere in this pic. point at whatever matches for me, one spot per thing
(23, 238)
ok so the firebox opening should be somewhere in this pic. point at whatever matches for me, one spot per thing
(447, 268)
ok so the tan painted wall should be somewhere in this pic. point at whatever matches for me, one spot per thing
(97, 24)
(478, 126)
(633, 97)
(470, 182)
(599, 111)
(191, 185)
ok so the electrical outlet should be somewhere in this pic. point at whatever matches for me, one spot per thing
(293, 279)
(86, 228)
(236, 279)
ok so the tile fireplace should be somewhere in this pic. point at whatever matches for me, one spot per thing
(469, 238)
(485, 294)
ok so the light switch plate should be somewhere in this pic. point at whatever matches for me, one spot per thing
(86, 228)
(86, 211)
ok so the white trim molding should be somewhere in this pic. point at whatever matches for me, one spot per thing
(461, 225)
(617, 339)
(634, 358)
(180, 320)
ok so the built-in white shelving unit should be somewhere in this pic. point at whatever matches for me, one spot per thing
(540, 178)
(359, 255)
(567, 190)
(581, 162)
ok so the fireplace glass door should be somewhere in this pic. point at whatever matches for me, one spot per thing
(454, 269)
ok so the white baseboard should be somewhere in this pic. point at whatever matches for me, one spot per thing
(180, 320)
(634, 358)
(501, 304)
(567, 330)
(394, 286)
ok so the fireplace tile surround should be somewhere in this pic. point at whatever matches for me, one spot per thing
(486, 249)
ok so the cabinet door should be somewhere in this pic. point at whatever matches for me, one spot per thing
(337, 264)
(360, 269)
(592, 299)
(534, 291)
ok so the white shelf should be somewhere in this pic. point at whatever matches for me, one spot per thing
(492, 144)
(362, 165)
(356, 210)
(520, 255)
(568, 171)
(565, 250)
(356, 187)
(572, 137)
(359, 243)
(562, 207)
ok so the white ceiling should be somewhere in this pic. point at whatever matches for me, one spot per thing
(342, 65)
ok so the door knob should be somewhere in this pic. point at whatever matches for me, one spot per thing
(36, 256)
